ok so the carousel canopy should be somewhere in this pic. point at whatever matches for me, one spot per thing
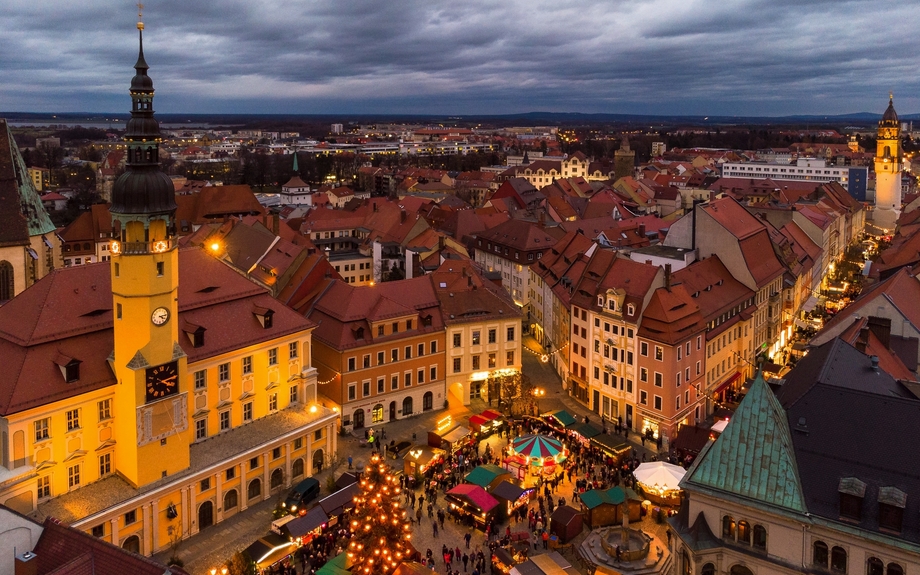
(665, 475)
(537, 446)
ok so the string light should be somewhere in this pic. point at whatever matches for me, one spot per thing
(544, 356)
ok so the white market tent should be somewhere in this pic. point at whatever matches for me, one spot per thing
(658, 473)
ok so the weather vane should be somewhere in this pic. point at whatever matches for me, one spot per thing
(140, 16)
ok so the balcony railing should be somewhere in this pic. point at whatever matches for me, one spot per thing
(135, 248)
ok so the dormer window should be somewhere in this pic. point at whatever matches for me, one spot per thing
(70, 367)
(264, 315)
(630, 309)
(600, 301)
(852, 491)
(195, 334)
(891, 504)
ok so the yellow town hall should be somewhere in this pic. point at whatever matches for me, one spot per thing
(149, 397)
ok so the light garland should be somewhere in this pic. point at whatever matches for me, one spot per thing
(544, 356)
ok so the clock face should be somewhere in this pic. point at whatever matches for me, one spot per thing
(159, 316)
(162, 381)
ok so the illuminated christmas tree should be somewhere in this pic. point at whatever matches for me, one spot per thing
(381, 531)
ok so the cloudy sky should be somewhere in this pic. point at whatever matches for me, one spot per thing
(706, 57)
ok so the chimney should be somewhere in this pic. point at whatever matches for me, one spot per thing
(667, 277)
(26, 564)
(402, 216)
(881, 327)
(276, 223)
(862, 340)
(641, 230)
(874, 360)
(542, 220)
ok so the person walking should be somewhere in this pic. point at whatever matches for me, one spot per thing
(467, 538)
(545, 540)
(434, 528)
(466, 559)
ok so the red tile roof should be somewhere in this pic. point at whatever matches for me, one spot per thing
(523, 235)
(712, 286)
(671, 316)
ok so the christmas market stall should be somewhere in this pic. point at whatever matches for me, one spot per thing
(612, 445)
(560, 419)
(338, 565)
(496, 418)
(472, 504)
(480, 426)
(583, 432)
(660, 481)
(517, 465)
(450, 440)
(487, 476)
(303, 529)
(420, 457)
(413, 568)
(602, 507)
(565, 523)
(270, 550)
(551, 563)
(511, 496)
(502, 562)
(339, 503)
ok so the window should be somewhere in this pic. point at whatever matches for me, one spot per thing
(105, 464)
(130, 517)
(874, 566)
(728, 527)
(643, 398)
(247, 411)
(408, 351)
(427, 401)
(394, 354)
(73, 476)
(394, 383)
(492, 335)
(433, 347)
(890, 517)
(456, 365)
(658, 402)
(433, 373)
(744, 532)
(253, 463)
(658, 379)
(276, 453)
(224, 420)
(380, 385)
(850, 507)
(491, 361)
(643, 374)
(160, 269)
(42, 429)
(819, 554)
(223, 372)
(44, 487)
(510, 334)
(352, 391)
(456, 340)
(201, 429)
(839, 560)
(380, 358)
(421, 350)
(365, 388)
(273, 402)
(509, 358)
(366, 361)
(475, 362)
(351, 364)
(659, 353)
(204, 484)
(201, 380)
(408, 324)
(395, 327)
(760, 537)
(476, 338)
(407, 378)
(73, 419)
(292, 350)
(379, 331)
(318, 435)
(420, 376)
(247, 365)
(708, 569)
(643, 349)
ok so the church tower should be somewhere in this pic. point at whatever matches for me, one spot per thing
(150, 366)
(888, 170)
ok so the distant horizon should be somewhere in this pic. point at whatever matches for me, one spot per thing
(655, 58)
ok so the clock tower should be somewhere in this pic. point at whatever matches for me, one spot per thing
(150, 366)
(888, 170)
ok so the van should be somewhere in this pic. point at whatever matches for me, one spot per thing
(303, 493)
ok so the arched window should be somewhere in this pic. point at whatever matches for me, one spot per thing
(708, 569)
(132, 544)
(740, 570)
(427, 401)
(839, 560)
(685, 564)
(407, 406)
(728, 527)
(277, 479)
(7, 287)
(760, 537)
(231, 500)
(819, 554)
(297, 468)
(744, 532)
(255, 489)
(874, 566)
(895, 569)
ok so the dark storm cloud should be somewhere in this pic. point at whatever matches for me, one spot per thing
(478, 56)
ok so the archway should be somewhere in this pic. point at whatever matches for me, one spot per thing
(359, 419)
(255, 489)
(318, 461)
(427, 401)
(740, 570)
(132, 544)
(407, 406)
(297, 468)
(392, 411)
(277, 480)
(205, 515)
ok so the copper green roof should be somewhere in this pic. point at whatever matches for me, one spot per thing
(564, 418)
(754, 457)
(613, 496)
(22, 214)
(484, 475)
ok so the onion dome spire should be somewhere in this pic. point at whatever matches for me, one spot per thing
(143, 188)
(890, 116)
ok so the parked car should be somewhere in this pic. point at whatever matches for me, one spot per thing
(303, 493)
